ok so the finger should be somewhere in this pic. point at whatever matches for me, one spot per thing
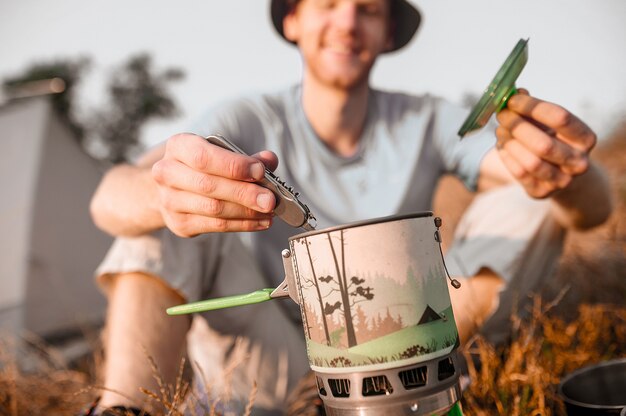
(530, 183)
(536, 188)
(569, 128)
(527, 161)
(540, 142)
(176, 175)
(183, 202)
(269, 159)
(518, 172)
(197, 153)
(191, 225)
(503, 135)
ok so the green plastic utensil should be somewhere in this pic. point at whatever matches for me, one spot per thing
(501, 88)
(257, 296)
(456, 410)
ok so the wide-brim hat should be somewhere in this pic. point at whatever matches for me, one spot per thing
(406, 17)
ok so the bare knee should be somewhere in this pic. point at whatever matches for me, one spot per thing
(475, 301)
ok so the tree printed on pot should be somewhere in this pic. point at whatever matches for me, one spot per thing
(373, 294)
(308, 283)
(352, 292)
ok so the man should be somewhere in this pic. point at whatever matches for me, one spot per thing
(354, 153)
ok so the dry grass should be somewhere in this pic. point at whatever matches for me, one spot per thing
(521, 378)
(34, 380)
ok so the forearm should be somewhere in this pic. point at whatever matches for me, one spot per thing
(125, 202)
(586, 202)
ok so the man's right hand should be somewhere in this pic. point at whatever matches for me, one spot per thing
(204, 188)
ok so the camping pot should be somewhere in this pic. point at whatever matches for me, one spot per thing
(599, 389)
(376, 315)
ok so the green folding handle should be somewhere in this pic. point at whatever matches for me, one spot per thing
(257, 296)
(456, 410)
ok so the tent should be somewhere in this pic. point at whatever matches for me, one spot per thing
(49, 247)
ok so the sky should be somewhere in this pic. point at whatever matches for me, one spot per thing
(228, 48)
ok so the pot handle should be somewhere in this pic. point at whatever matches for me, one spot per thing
(257, 296)
(286, 289)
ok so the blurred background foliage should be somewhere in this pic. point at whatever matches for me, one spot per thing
(136, 93)
(69, 70)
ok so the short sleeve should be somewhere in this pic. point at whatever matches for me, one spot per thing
(240, 120)
(461, 157)
(218, 119)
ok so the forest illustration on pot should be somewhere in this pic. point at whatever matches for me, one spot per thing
(374, 294)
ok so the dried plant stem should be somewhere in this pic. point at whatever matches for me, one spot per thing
(251, 399)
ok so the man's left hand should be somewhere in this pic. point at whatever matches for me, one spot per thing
(543, 145)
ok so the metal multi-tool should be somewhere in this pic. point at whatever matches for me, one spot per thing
(288, 207)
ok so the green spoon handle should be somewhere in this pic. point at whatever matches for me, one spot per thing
(257, 296)
(456, 410)
(505, 100)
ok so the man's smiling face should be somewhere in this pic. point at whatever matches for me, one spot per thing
(340, 39)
